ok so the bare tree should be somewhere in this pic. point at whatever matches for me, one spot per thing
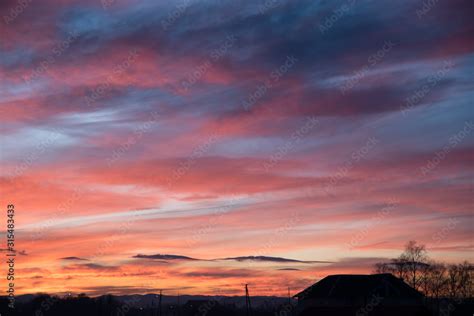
(459, 280)
(383, 267)
(434, 279)
(399, 267)
(396, 267)
(415, 259)
(466, 274)
(452, 281)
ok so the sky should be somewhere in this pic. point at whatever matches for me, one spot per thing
(196, 146)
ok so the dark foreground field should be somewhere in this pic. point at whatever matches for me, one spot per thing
(148, 305)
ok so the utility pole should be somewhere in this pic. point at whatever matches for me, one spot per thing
(247, 301)
(179, 306)
(159, 308)
(289, 297)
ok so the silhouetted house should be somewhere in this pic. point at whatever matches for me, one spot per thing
(376, 294)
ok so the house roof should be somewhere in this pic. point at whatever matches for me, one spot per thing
(345, 286)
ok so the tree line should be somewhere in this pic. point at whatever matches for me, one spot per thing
(434, 279)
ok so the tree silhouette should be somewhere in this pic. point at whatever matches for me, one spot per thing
(433, 278)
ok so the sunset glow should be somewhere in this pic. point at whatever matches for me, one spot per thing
(197, 146)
